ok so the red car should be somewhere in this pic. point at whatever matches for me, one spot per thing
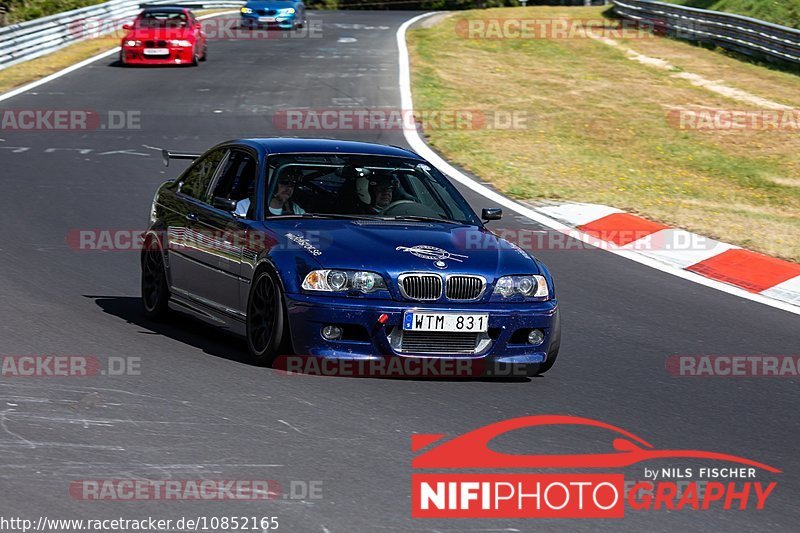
(164, 36)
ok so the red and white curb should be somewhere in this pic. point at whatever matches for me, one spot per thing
(714, 264)
(676, 248)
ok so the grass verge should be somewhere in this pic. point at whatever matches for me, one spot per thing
(597, 128)
(783, 12)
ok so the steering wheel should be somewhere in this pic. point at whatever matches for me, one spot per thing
(392, 205)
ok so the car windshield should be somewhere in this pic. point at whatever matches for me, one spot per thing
(162, 19)
(362, 186)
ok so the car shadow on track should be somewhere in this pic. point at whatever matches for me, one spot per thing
(178, 326)
(220, 343)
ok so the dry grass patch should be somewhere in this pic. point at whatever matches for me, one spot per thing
(597, 131)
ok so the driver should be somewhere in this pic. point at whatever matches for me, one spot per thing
(281, 202)
(376, 191)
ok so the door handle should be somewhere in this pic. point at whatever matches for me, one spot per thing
(192, 216)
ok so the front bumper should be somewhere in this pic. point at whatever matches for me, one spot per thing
(371, 340)
(283, 22)
(134, 55)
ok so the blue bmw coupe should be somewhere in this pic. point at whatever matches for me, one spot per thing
(343, 250)
(283, 14)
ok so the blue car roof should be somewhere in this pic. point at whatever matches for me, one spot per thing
(281, 145)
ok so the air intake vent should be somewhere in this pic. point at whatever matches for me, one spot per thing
(439, 343)
(423, 287)
(465, 287)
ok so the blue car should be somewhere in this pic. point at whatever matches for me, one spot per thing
(343, 250)
(283, 14)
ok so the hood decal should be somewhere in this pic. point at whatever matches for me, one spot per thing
(432, 253)
(304, 243)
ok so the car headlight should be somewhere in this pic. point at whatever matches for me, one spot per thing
(343, 280)
(132, 42)
(180, 42)
(246, 10)
(525, 286)
(287, 11)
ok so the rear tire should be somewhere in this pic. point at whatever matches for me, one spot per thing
(204, 57)
(155, 289)
(552, 353)
(265, 317)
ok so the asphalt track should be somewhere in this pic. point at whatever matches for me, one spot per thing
(199, 410)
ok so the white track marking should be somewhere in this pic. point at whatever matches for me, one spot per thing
(679, 248)
(788, 291)
(418, 145)
(577, 214)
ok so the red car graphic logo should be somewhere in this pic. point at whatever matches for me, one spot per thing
(471, 450)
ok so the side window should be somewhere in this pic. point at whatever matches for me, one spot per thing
(196, 180)
(237, 181)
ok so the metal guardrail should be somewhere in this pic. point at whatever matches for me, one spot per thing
(733, 32)
(35, 38)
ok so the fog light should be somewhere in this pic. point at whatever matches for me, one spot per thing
(536, 337)
(332, 333)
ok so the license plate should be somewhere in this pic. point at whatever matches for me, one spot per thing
(266, 19)
(156, 51)
(449, 322)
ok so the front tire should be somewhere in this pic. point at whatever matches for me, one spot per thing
(155, 289)
(265, 317)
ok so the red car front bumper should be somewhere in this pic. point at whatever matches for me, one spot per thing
(135, 55)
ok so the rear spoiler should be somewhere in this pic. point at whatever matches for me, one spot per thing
(166, 155)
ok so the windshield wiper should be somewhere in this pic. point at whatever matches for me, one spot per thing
(328, 215)
(423, 219)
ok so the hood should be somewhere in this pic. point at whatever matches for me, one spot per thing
(142, 34)
(392, 248)
(271, 4)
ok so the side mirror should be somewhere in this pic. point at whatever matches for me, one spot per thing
(127, 27)
(224, 204)
(491, 213)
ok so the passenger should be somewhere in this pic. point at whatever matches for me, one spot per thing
(281, 203)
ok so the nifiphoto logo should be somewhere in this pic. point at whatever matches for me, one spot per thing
(604, 492)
